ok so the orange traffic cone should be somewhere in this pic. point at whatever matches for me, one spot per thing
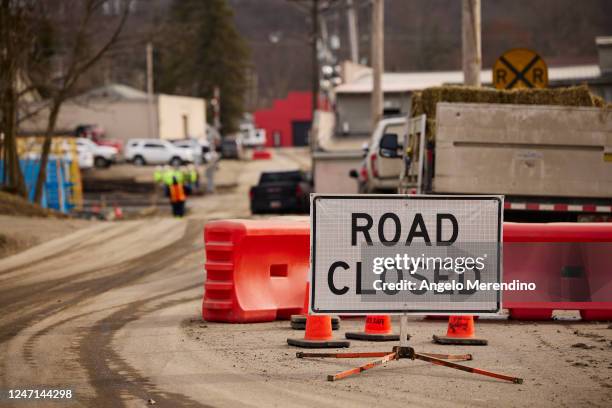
(377, 328)
(306, 300)
(318, 334)
(460, 331)
(298, 322)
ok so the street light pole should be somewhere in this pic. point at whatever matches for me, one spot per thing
(315, 68)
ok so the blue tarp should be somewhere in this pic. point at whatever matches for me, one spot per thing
(57, 192)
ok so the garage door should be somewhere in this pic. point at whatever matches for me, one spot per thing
(299, 130)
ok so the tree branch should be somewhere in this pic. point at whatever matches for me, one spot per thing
(112, 40)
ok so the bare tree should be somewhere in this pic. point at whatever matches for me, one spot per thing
(16, 38)
(80, 56)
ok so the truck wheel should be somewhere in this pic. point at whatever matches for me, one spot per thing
(139, 161)
(101, 162)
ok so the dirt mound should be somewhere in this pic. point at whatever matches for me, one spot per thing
(14, 205)
(10, 244)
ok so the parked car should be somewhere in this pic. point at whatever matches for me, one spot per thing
(117, 144)
(198, 149)
(103, 156)
(85, 157)
(361, 176)
(231, 148)
(252, 137)
(156, 151)
(89, 131)
(282, 191)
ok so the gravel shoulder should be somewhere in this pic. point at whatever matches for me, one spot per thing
(18, 233)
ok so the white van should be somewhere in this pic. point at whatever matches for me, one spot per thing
(252, 137)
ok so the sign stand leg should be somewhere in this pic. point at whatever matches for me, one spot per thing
(404, 351)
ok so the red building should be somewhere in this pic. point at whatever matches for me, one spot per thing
(288, 121)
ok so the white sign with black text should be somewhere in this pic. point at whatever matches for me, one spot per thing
(397, 254)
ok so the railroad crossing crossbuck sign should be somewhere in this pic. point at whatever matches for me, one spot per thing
(520, 68)
(397, 254)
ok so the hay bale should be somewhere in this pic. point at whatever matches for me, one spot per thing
(425, 101)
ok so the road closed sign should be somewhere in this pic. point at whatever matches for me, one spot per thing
(396, 254)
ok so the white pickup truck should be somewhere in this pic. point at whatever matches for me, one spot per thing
(383, 158)
(103, 156)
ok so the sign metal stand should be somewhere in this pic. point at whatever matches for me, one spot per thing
(326, 210)
(404, 351)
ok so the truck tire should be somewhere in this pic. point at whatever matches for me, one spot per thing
(139, 160)
(101, 163)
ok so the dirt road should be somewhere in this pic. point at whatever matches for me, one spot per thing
(112, 311)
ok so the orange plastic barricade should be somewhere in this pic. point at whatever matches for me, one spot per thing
(568, 262)
(261, 155)
(255, 269)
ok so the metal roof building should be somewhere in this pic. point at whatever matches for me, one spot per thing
(352, 98)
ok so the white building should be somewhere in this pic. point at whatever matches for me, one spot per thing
(353, 96)
(127, 113)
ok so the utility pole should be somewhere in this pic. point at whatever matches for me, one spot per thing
(315, 68)
(378, 55)
(149, 68)
(352, 28)
(470, 40)
(217, 108)
(211, 166)
(150, 90)
(325, 52)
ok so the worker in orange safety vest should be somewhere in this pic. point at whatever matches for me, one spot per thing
(177, 198)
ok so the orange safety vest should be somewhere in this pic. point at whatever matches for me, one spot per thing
(177, 193)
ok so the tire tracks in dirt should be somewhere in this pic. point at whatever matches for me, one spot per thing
(80, 319)
(43, 297)
(46, 293)
(89, 243)
(119, 378)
